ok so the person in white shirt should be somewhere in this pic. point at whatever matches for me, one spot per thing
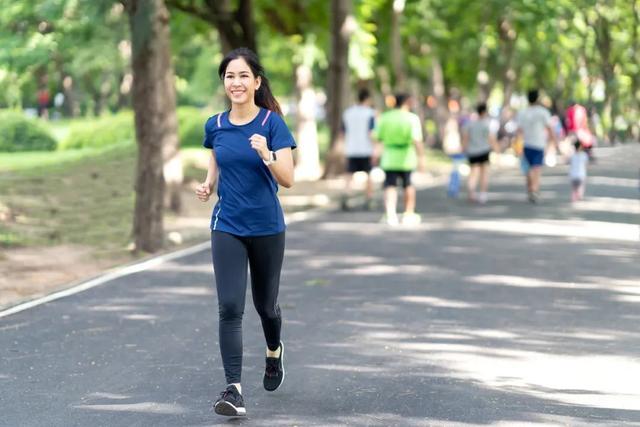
(534, 126)
(357, 123)
(578, 171)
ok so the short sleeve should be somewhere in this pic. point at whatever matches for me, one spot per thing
(416, 128)
(280, 136)
(547, 118)
(208, 132)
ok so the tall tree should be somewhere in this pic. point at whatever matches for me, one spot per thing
(236, 26)
(342, 26)
(155, 117)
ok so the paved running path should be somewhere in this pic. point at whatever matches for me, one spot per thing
(505, 315)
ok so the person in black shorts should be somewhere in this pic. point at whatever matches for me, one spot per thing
(477, 142)
(357, 123)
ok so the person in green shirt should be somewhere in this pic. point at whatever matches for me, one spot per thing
(398, 134)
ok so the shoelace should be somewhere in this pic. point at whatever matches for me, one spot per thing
(272, 367)
(225, 393)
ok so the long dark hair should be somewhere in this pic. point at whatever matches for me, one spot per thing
(263, 96)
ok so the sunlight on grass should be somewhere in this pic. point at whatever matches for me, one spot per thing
(33, 161)
(76, 196)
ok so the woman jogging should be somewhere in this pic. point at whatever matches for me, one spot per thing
(250, 155)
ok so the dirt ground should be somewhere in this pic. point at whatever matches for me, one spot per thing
(31, 272)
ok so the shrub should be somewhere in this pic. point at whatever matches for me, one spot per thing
(18, 133)
(106, 130)
(120, 127)
(191, 126)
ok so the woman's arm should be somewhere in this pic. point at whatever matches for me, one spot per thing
(282, 168)
(203, 190)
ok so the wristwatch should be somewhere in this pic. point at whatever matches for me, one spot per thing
(272, 158)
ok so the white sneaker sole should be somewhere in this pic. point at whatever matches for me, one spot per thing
(229, 410)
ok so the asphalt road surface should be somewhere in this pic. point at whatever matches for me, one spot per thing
(508, 314)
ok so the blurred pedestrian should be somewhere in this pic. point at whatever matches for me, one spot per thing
(251, 154)
(400, 135)
(478, 141)
(44, 98)
(358, 122)
(452, 146)
(578, 171)
(577, 126)
(534, 125)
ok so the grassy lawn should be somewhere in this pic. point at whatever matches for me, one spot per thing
(77, 196)
(84, 196)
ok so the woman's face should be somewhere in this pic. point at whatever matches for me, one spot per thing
(239, 82)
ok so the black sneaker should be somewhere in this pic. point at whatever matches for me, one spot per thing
(274, 371)
(230, 403)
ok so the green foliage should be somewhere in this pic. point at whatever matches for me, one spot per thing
(101, 132)
(45, 41)
(191, 126)
(120, 129)
(18, 133)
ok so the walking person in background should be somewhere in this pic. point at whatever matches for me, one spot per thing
(400, 135)
(534, 125)
(478, 142)
(251, 154)
(577, 126)
(578, 171)
(357, 123)
(452, 146)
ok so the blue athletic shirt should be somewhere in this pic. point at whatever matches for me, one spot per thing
(247, 204)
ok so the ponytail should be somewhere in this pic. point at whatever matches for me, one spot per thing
(265, 99)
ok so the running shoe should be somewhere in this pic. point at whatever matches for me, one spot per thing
(274, 371)
(230, 403)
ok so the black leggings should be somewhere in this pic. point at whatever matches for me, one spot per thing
(231, 254)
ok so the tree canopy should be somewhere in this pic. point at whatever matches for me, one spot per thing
(572, 49)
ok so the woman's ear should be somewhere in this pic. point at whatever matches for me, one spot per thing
(258, 82)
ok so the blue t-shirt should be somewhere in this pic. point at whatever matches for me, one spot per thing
(247, 204)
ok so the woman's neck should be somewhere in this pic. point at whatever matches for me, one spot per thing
(243, 113)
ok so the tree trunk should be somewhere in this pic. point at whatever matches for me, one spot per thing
(603, 43)
(124, 91)
(400, 78)
(635, 77)
(236, 28)
(338, 81)
(508, 37)
(155, 118)
(483, 77)
(308, 158)
(438, 89)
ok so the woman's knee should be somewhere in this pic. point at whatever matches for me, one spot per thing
(229, 310)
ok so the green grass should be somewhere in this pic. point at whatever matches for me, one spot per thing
(80, 197)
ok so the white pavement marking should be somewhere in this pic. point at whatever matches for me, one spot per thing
(135, 268)
(107, 277)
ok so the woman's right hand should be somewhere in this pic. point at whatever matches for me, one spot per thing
(203, 191)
